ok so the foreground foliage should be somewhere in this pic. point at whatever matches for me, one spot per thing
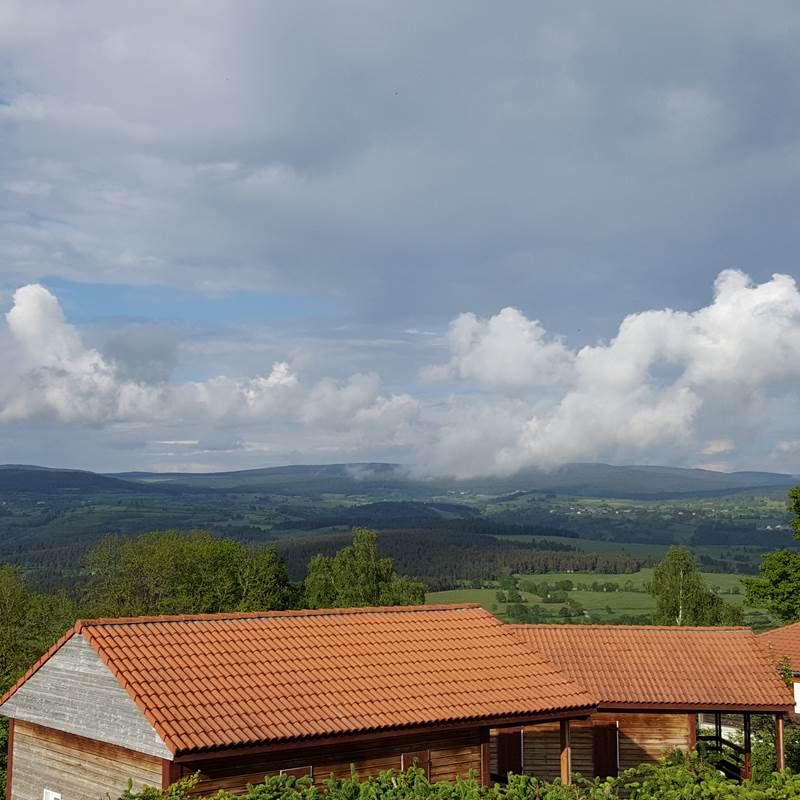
(778, 585)
(676, 778)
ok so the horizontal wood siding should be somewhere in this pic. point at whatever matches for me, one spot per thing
(451, 754)
(646, 737)
(77, 768)
(541, 749)
(643, 738)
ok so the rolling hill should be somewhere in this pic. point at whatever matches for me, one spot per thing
(578, 480)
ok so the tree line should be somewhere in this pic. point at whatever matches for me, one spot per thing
(448, 560)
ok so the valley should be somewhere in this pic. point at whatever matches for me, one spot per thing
(465, 539)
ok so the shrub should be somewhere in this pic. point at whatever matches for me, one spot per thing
(677, 777)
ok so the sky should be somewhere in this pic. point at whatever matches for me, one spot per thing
(464, 236)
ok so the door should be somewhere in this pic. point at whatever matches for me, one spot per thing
(509, 751)
(605, 750)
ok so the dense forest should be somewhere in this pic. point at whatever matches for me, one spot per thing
(441, 532)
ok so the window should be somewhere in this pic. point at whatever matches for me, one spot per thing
(417, 758)
(295, 772)
(49, 794)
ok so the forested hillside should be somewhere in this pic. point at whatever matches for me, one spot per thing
(440, 531)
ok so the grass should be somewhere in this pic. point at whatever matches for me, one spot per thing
(607, 606)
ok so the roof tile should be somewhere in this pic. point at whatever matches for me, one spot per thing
(784, 643)
(663, 667)
(214, 681)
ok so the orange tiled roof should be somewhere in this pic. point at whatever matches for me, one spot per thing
(665, 667)
(784, 643)
(236, 679)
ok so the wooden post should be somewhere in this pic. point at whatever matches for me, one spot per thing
(170, 773)
(692, 722)
(718, 730)
(10, 761)
(486, 763)
(779, 755)
(747, 766)
(566, 753)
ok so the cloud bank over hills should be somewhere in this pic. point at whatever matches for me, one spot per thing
(715, 386)
(256, 233)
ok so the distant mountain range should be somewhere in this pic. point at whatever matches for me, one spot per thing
(579, 480)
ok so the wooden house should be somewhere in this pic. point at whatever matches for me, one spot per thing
(784, 644)
(651, 683)
(236, 697)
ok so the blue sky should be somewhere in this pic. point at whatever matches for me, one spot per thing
(406, 232)
(96, 302)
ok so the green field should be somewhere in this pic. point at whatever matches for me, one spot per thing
(600, 606)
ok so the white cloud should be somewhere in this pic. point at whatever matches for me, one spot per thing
(59, 376)
(506, 351)
(651, 390)
(670, 387)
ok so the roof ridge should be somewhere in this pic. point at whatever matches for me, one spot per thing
(779, 629)
(611, 626)
(290, 613)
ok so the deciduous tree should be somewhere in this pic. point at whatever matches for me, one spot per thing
(170, 572)
(356, 576)
(682, 598)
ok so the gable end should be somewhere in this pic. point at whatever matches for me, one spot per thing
(75, 692)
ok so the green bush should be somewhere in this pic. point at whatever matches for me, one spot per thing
(677, 777)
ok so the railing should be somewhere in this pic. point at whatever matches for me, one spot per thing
(731, 756)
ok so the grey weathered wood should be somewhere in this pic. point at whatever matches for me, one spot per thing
(75, 692)
(76, 768)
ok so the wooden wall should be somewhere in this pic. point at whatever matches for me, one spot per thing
(642, 738)
(646, 737)
(77, 768)
(451, 754)
(541, 749)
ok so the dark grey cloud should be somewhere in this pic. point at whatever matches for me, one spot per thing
(398, 156)
(401, 163)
